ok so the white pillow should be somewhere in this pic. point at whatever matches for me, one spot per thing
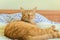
(47, 25)
(44, 25)
(4, 38)
(2, 25)
(57, 27)
(10, 17)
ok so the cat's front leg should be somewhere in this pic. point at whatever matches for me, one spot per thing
(32, 22)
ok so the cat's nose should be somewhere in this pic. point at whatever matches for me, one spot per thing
(31, 17)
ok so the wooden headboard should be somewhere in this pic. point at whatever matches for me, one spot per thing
(53, 15)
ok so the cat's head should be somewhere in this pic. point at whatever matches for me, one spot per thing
(28, 14)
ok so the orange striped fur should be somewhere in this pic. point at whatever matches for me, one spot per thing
(20, 29)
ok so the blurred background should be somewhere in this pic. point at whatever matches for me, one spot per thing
(29, 4)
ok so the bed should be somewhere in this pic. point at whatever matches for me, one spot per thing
(53, 15)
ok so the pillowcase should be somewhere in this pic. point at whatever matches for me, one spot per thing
(41, 18)
(4, 38)
(57, 27)
(44, 25)
(6, 18)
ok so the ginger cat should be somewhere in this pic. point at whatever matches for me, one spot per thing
(22, 30)
(28, 15)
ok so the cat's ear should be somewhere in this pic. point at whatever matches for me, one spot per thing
(34, 9)
(22, 9)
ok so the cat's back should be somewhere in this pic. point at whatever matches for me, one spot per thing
(17, 29)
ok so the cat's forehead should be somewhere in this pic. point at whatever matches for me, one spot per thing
(27, 11)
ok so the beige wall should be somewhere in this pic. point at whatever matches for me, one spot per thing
(29, 4)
